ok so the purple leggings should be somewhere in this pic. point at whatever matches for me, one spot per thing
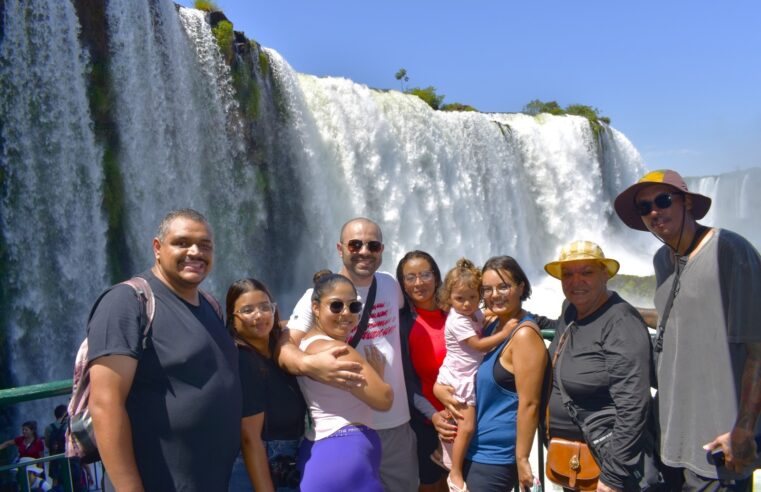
(347, 460)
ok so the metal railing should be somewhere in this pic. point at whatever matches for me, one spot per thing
(22, 394)
(13, 396)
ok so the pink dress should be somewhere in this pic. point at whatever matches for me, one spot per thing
(461, 362)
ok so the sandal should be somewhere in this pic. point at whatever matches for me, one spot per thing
(455, 488)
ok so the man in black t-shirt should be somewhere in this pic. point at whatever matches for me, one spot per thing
(166, 412)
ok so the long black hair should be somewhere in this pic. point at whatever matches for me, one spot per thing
(237, 289)
(422, 255)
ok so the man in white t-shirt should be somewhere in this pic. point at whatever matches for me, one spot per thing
(360, 249)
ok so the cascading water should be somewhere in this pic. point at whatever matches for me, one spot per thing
(180, 141)
(736, 201)
(276, 178)
(53, 228)
(455, 183)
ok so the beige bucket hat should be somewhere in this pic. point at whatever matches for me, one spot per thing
(578, 251)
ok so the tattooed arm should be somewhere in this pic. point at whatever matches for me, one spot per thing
(739, 445)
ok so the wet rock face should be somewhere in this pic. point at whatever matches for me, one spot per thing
(94, 32)
(217, 16)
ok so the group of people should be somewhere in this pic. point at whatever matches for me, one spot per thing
(30, 446)
(380, 383)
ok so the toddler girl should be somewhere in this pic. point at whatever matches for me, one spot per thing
(460, 294)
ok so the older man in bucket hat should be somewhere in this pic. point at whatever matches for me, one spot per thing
(708, 343)
(605, 363)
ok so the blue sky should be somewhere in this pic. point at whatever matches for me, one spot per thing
(681, 79)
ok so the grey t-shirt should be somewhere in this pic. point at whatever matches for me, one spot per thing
(185, 402)
(717, 309)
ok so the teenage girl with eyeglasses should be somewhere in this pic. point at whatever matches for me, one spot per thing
(273, 408)
(341, 451)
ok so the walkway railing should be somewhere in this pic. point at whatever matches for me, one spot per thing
(22, 394)
(13, 396)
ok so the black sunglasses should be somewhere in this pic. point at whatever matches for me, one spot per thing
(337, 307)
(662, 201)
(355, 246)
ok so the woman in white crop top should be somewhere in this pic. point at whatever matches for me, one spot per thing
(341, 451)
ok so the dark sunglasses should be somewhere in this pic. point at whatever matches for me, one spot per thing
(337, 307)
(662, 201)
(355, 246)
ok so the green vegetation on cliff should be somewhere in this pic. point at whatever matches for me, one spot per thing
(206, 5)
(429, 94)
(101, 98)
(223, 33)
(457, 107)
(592, 114)
(246, 90)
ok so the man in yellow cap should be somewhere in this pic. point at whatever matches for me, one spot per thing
(708, 343)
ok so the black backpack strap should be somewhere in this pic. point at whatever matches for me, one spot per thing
(364, 321)
(214, 303)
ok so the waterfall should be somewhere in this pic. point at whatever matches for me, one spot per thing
(276, 179)
(736, 201)
(180, 138)
(454, 183)
(52, 224)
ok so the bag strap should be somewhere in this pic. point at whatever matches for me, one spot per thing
(144, 293)
(573, 410)
(364, 321)
(561, 344)
(681, 261)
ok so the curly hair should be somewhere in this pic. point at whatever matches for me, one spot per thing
(464, 273)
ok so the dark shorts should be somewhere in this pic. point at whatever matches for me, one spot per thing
(682, 479)
(481, 477)
(427, 442)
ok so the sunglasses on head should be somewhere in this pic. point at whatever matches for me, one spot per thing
(662, 201)
(355, 246)
(337, 307)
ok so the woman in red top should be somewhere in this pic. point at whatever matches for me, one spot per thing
(421, 325)
(28, 444)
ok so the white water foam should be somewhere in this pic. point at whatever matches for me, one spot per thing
(455, 184)
(180, 138)
(51, 206)
(736, 201)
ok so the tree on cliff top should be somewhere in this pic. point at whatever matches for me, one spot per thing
(206, 5)
(402, 77)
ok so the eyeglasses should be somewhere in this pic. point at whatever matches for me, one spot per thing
(337, 307)
(662, 201)
(501, 289)
(425, 276)
(264, 308)
(355, 246)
